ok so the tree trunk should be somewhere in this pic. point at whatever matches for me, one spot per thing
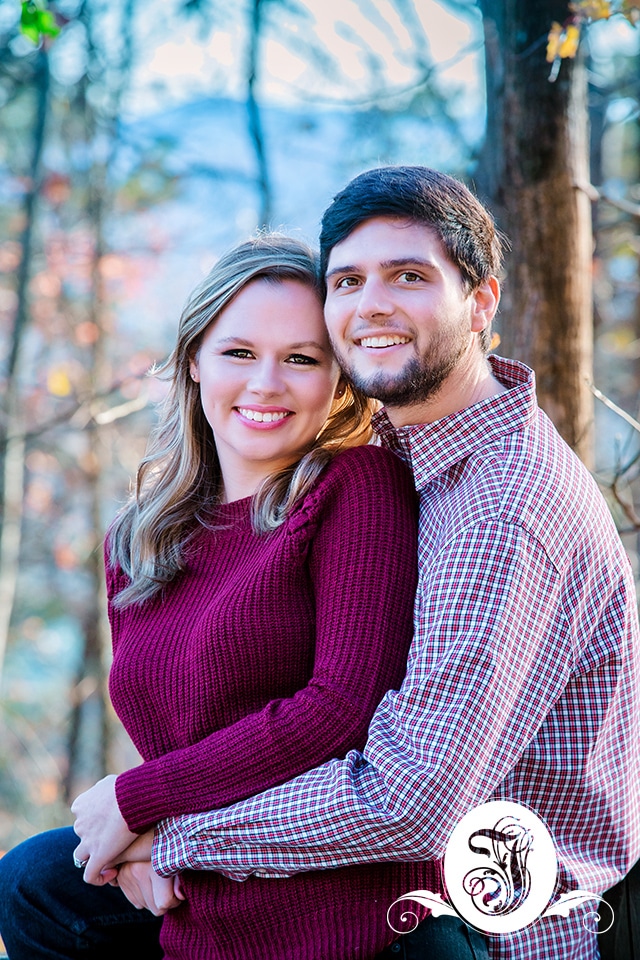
(12, 430)
(535, 170)
(256, 133)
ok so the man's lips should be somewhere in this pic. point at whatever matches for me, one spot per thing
(382, 340)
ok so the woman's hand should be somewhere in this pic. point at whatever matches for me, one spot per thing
(143, 888)
(102, 830)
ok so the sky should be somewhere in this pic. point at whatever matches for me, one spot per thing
(351, 32)
(324, 51)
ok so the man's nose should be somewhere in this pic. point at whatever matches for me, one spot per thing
(375, 299)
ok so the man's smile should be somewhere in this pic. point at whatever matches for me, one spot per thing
(383, 340)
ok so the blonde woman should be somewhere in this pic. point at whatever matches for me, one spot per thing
(260, 589)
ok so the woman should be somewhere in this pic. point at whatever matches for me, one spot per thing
(260, 589)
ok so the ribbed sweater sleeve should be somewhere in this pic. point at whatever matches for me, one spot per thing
(358, 535)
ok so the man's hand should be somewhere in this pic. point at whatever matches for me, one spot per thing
(143, 888)
(102, 830)
(140, 849)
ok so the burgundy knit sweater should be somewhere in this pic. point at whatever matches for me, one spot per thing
(266, 657)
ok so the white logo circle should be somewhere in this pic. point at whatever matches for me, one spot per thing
(500, 867)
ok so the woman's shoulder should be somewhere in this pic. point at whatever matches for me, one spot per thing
(368, 464)
(356, 473)
(357, 488)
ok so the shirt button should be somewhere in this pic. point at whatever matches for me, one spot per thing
(395, 947)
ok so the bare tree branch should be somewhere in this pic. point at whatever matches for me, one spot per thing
(614, 406)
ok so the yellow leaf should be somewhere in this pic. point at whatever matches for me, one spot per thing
(58, 383)
(569, 45)
(592, 9)
(631, 11)
(553, 41)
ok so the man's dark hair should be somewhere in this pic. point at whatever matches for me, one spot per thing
(424, 196)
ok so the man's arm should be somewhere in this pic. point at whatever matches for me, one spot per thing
(492, 654)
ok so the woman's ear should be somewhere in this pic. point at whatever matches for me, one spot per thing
(341, 389)
(193, 370)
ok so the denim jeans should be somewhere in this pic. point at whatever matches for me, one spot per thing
(441, 938)
(48, 912)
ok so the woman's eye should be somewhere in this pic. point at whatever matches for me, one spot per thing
(238, 353)
(301, 359)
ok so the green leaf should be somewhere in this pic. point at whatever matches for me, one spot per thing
(31, 32)
(47, 24)
(36, 22)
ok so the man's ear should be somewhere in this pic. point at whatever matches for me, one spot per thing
(485, 304)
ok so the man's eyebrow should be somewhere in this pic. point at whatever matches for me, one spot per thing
(348, 268)
(408, 261)
(385, 264)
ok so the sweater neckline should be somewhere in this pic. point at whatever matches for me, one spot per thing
(233, 510)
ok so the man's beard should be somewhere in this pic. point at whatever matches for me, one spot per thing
(419, 379)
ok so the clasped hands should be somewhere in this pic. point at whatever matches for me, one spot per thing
(111, 853)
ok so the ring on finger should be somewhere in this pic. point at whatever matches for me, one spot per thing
(80, 864)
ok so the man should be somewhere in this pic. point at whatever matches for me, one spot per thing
(522, 680)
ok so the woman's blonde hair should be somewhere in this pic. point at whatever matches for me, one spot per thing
(179, 478)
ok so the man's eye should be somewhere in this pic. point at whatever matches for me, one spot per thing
(238, 353)
(301, 359)
(347, 282)
(409, 276)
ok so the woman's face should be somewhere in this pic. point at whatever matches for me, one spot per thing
(267, 380)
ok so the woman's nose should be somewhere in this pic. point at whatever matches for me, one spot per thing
(266, 379)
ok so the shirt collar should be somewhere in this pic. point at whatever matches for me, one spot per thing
(432, 448)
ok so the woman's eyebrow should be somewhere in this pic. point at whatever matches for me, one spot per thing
(290, 346)
(307, 343)
(245, 343)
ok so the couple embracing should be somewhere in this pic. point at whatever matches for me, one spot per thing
(315, 710)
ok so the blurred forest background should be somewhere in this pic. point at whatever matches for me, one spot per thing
(138, 140)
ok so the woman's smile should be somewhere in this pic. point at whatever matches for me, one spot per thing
(263, 418)
(267, 380)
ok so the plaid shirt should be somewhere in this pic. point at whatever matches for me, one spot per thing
(523, 682)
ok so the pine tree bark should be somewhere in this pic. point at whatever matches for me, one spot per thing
(535, 172)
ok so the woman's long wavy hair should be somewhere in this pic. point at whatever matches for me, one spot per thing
(179, 478)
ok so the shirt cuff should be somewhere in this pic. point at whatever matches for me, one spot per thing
(177, 848)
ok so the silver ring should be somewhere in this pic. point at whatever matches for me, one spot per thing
(80, 864)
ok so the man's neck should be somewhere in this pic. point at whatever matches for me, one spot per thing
(471, 382)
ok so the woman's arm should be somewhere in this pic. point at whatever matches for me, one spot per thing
(362, 560)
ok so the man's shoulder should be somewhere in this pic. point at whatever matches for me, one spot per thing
(531, 479)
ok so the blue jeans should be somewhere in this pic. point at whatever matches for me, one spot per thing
(438, 938)
(48, 912)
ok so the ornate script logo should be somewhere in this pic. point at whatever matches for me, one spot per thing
(500, 871)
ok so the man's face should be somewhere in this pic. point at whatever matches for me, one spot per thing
(397, 312)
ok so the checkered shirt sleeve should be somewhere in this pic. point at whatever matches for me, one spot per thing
(522, 683)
